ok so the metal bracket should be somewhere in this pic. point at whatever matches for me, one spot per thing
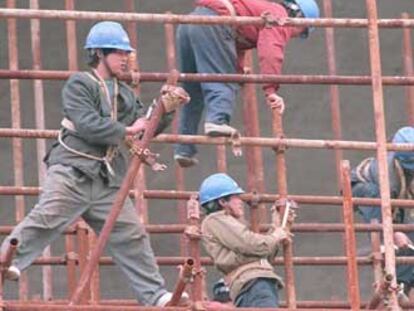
(254, 203)
(71, 256)
(281, 147)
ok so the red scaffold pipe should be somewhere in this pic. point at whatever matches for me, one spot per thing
(205, 20)
(205, 77)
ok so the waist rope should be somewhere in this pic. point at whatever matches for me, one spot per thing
(111, 151)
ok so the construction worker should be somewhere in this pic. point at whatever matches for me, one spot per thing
(220, 49)
(239, 253)
(365, 184)
(86, 166)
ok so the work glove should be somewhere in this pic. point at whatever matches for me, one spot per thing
(282, 235)
(276, 102)
(172, 96)
(284, 220)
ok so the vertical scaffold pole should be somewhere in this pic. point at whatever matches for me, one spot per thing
(140, 183)
(72, 55)
(408, 70)
(179, 171)
(254, 155)
(282, 189)
(16, 124)
(378, 102)
(40, 143)
(334, 89)
(349, 238)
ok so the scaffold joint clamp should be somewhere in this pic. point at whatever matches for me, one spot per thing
(254, 202)
(281, 147)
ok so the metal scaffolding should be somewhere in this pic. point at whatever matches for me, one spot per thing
(83, 251)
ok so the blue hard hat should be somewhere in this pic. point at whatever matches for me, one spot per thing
(217, 186)
(108, 35)
(309, 8)
(406, 158)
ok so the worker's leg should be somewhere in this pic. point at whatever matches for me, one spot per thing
(190, 113)
(128, 243)
(215, 53)
(62, 201)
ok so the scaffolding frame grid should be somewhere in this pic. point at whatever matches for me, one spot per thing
(79, 240)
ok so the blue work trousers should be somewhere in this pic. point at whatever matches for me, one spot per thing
(206, 49)
(258, 293)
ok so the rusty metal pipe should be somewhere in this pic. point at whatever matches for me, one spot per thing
(254, 154)
(71, 43)
(408, 70)
(303, 227)
(333, 90)
(247, 141)
(349, 236)
(380, 133)
(281, 179)
(185, 276)
(259, 197)
(205, 20)
(298, 261)
(204, 77)
(48, 307)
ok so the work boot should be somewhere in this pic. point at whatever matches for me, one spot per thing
(185, 161)
(165, 299)
(215, 130)
(12, 273)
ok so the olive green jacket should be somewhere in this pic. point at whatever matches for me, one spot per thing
(239, 253)
(85, 104)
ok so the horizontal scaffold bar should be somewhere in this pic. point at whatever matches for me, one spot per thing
(303, 227)
(173, 261)
(205, 77)
(207, 20)
(245, 141)
(265, 198)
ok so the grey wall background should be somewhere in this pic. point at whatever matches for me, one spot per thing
(307, 115)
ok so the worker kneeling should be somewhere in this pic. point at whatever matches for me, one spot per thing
(240, 254)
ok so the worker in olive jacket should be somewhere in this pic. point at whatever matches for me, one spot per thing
(87, 164)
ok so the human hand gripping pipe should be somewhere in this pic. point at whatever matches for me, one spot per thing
(169, 100)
